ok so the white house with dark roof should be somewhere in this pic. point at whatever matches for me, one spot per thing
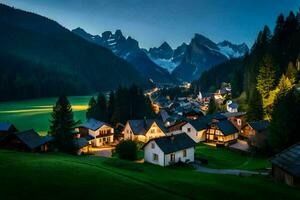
(169, 150)
(144, 130)
(98, 133)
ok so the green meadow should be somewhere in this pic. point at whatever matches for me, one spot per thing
(36, 113)
(59, 176)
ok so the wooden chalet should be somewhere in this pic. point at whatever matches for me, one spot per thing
(255, 133)
(286, 165)
(26, 141)
(222, 132)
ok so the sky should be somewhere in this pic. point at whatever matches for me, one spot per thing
(152, 22)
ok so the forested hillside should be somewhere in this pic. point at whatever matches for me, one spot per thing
(41, 58)
(282, 46)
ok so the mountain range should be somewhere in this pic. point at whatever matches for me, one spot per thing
(164, 64)
(42, 58)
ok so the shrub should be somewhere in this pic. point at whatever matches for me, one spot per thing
(127, 150)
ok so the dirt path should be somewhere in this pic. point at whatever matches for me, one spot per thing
(237, 172)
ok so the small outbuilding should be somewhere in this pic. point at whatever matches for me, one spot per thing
(26, 141)
(169, 150)
(286, 165)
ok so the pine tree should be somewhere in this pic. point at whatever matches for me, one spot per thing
(266, 77)
(101, 108)
(111, 106)
(91, 109)
(62, 124)
(255, 109)
(291, 72)
(212, 107)
(236, 84)
(284, 126)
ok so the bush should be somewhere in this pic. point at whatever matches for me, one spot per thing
(127, 150)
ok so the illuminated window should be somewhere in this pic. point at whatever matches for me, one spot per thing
(155, 157)
(239, 122)
(152, 131)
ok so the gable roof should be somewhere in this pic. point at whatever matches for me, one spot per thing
(203, 122)
(6, 126)
(173, 143)
(234, 114)
(226, 127)
(32, 139)
(140, 127)
(259, 125)
(93, 124)
(289, 160)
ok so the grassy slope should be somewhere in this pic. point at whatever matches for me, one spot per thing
(221, 158)
(50, 176)
(36, 113)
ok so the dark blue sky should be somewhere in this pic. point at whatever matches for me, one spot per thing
(153, 21)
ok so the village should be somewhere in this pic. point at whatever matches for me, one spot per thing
(181, 125)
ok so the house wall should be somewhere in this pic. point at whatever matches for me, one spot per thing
(216, 135)
(190, 155)
(103, 135)
(149, 151)
(197, 136)
(165, 159)
(153, 132)
(282, 175)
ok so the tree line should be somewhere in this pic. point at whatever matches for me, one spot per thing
(120, 106)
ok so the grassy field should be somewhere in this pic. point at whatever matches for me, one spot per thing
(59, 176)
(221, 158)
(36, 113)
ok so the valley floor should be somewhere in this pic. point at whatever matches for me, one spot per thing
(60, 176)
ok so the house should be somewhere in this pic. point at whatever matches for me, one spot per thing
(286, 165)
(144, 130)
(237, 118)
(26, 141)
(255, 133)
(222, 132)
(7, 128)
(98, 133)
(193, 113)
(196, 130)
(254, 128)
(169, 150)
(232, 106)
(176, 128)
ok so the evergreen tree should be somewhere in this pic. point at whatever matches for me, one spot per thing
(101, 108)
(285, 119)
(291, 72)
(91, 109)
(255, 107)
(266, 77)
(212, 107)
(111, 106)
(236, 84)
(62, 124)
